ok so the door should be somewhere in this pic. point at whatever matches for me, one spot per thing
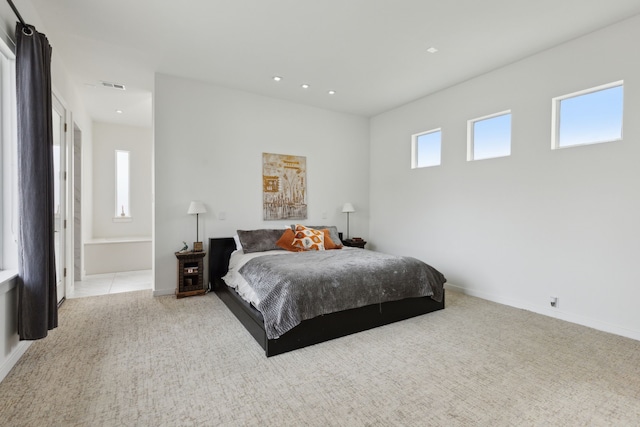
(59, 150)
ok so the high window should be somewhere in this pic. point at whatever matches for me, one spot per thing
(489, 136)
(588, 117)
(122, 184)
(426, 149)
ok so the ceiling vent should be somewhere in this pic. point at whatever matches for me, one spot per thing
(114, 85)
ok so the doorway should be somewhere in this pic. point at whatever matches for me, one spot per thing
(59, 193)
(77, 203)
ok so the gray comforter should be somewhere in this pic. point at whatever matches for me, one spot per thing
(300, 286)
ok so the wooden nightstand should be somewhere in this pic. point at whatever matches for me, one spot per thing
(354, 243)
(190, 274)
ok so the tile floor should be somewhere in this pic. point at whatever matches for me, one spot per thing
(111, 283)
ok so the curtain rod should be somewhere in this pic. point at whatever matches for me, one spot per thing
(13, 7)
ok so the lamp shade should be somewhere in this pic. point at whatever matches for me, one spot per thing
(348, 208)
(196, 207)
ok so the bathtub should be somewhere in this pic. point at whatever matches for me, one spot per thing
(114, 254)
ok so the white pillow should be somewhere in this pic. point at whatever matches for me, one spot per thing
(236, 238)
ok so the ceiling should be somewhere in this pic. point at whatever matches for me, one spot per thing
(372, 53)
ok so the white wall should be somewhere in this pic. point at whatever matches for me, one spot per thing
(209, 142)
(107, 138)
(11, 348)
(538, 223)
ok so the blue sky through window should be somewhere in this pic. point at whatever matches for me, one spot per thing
(592, 117)
(492, 137)
(428, 149)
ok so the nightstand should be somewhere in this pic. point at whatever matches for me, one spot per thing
(190, 274)
(354, 243)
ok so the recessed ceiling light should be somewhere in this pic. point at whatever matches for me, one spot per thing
(277, 78)
(332, 92)
(119, 111)
(432, 50)
(305, 86)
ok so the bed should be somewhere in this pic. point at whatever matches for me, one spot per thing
(275, 339)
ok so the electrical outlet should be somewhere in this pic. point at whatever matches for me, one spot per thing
(222, 216)
(554, 301)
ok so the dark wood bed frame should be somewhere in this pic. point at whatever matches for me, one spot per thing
(312, 331)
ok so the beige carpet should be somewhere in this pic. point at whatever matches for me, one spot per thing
(131, 359)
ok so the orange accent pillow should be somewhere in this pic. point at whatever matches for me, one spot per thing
(328, 243)
(286, 241)
(308, 239)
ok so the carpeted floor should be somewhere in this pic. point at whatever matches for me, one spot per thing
(131, 359)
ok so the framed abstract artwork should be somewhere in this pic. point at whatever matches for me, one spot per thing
(284, 186)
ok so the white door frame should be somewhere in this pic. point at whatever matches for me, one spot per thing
(65, 181)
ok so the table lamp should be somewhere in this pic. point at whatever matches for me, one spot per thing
(197, 207)
(348, 208)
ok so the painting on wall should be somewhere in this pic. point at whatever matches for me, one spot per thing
(284, 186)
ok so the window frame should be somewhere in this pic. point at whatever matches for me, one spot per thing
(415, 152)
(8, 147)
(556, 111)
(471, 134)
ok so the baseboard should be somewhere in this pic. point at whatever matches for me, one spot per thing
(550, 312)
(11, 361)
(163, 292)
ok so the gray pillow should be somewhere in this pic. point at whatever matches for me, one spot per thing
(259, 240)
(333, 231)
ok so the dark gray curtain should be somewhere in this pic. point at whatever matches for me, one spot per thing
(37, 302)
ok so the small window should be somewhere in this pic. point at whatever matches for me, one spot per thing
(590, 116)
(122, 184)
(489, 136)
(426, 148)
